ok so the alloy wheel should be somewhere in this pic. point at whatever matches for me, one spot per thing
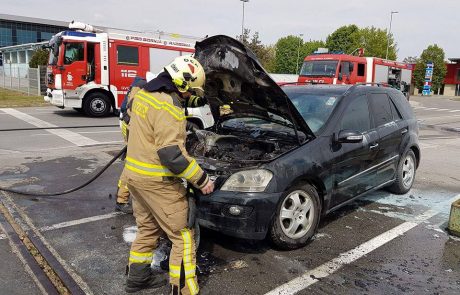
(408, 171)
(296, 214)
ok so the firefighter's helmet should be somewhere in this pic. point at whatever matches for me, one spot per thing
(187, 74)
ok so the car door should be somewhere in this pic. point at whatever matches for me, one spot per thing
(390, 134)
(354, 163)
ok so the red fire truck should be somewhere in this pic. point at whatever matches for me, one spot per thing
(329, 68)
(91, 70)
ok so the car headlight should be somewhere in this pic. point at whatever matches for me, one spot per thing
(250, 181)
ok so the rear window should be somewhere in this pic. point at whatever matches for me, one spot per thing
(402, 104)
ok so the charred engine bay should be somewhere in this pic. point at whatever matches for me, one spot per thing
(234, 150)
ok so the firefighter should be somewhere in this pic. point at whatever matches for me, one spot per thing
(155, 163)
(122, 203)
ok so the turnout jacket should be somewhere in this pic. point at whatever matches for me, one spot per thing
(156, 143)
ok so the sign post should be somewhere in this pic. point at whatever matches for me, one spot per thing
(428, 79)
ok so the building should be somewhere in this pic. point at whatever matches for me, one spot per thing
(451, 85)
(18, 30)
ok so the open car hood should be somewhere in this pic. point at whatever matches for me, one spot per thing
(238, 86)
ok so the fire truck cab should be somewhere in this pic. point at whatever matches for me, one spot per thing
(327, 68)
(91, 70)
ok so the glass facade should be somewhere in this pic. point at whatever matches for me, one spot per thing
(15, 33)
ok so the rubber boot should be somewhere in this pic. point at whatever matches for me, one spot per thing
(140, 277)
(124, 207)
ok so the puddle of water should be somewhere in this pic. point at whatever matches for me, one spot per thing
(437, 201)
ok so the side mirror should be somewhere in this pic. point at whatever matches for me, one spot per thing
(340, 77)
(351, 67)
(349, 136)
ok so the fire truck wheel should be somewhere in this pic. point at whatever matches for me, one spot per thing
(97, 104)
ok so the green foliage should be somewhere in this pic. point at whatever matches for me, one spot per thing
(290, 53)
(39, 58)
(374, 42)
(343, 39)
(435, 54)
(265, 53)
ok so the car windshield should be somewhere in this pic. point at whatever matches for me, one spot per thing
(315, 108)
(321, 68)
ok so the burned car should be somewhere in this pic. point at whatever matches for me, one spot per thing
(282, 158)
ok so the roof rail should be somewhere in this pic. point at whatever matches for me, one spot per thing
(296, 83)
(367, 83)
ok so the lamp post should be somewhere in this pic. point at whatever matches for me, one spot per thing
(298, 54)
(242, 22)
(389, 32)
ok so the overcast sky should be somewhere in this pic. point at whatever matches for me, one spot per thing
(418, 24)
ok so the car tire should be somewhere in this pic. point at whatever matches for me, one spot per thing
(297, 218)
(405, 174)
(97, 104)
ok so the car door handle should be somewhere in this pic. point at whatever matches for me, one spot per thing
(374, 146)
(404, 131)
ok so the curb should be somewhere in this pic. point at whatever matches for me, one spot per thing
(441, 128)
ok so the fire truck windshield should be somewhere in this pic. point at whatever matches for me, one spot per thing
(319, 68)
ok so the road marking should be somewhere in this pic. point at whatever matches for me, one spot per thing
(82, 132)
(311, 277)
(454, 111)
(429, 109)
(442, 110)
(74, 222)
(75, 138)
(80, 221)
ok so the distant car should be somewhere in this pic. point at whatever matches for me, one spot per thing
(282, 158)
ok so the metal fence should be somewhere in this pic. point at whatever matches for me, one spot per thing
(32, 82)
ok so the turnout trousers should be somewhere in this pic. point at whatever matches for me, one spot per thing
(162, 207)
(123, 192)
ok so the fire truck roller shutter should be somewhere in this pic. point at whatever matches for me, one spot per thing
(381, 74)
(161, 57)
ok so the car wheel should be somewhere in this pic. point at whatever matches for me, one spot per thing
(405, 174)
(297, 218)
(97, 105)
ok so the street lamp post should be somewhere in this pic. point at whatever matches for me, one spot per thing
(298, 54)
(242, 22)
(389, 32)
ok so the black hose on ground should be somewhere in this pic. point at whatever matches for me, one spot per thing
(38, 194)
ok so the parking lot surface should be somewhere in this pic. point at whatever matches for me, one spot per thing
(380, 244)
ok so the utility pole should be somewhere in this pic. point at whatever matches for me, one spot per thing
(298, 54)
(389, 32)
(242, 22)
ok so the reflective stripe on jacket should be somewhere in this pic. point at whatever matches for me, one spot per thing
(156, 144)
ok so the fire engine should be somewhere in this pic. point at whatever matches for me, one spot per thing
(338, 68)
(91, 70)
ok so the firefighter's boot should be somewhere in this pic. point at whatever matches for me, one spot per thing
(124, 207)
(140, 277)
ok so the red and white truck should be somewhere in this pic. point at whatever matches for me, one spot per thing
(329, 68)
(91, 70)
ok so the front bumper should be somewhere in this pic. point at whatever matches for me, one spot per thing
(257, 211)
(55, 97)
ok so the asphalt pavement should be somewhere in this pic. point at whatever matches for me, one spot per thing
(380, 244)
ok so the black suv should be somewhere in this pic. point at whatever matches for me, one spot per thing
(282, 158)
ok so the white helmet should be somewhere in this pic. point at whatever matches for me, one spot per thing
(187, 74)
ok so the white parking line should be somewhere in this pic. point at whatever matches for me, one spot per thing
(68, 135)
(309, 278)
(74, 222)
(442, 110)
(454, 111)
(429, 109)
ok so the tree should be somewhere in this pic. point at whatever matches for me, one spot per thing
(374, 41)
(343, 39)
(265, 54)
(435, 54)
(290, 52)
(39, 58)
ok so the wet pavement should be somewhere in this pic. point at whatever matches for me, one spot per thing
(87, 237)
